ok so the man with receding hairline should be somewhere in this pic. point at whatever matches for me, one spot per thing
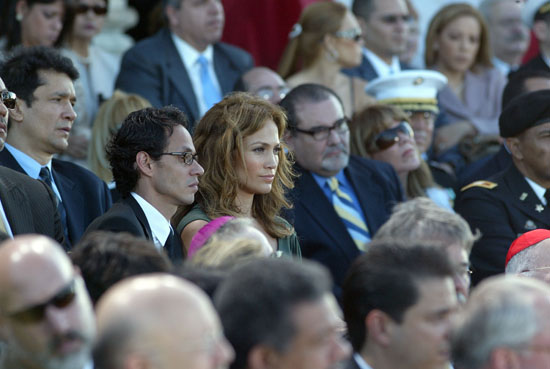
(45, 312)
(160, 321)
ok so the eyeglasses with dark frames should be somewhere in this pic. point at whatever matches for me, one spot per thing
(186, 157)
(386, 139)
(353, 34)
(35, 314)
(321, 133)
(8, 99)
(97, 9)
(393, 19)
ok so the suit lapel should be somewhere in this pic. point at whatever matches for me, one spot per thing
(524, 198)
(222, 66)
(7, 160)
(177, 73)
(140, 215)
(16, 206)
(72, 200)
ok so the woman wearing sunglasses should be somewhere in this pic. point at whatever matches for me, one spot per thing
(98, 70)
(326, 39)
(246, 172)
(383, 132)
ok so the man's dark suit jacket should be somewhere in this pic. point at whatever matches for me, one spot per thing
(30, 205)
(84, 195)
(365, 70)
(153, 69)
(322, 234)
(537, 63)
(127, 216)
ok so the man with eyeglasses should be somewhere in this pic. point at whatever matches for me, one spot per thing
(263, 82)
(45, 312)
(26, 205)
(155, 170)
(384, 25)
(339, 200)
(506, 324)
(159, 321)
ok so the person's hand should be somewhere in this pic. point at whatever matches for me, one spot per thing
(78, 146)
(451, 134)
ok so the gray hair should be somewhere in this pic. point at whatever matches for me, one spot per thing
(501, 313)
(421, 219)
(523, 260)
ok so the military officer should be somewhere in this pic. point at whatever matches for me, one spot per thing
(517, 199)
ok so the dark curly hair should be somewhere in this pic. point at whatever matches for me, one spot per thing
(145, 130)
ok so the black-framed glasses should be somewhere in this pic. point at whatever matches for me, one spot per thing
(354, 34)
(35, 314)
(8, 98)
(386, 139)
(186, 157)
(321, 133)
(392, 18)
(97, 9)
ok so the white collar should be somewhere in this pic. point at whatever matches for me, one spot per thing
(160, 226)
(538, 189)
(380, 66)
(361, 362)
(189, 54)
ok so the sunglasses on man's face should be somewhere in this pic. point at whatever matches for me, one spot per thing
(97, 9)
(386, 139)
(8, 99)
(35, 314)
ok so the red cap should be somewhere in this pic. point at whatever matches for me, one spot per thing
(526, 240)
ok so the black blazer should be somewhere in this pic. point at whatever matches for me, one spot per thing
(501, 214)
(153, 69)
(127, 216)
(322, 234)
(84, 195)
(30, 205)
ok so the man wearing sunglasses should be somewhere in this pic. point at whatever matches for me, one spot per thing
(384, 25)
(45, 312)
(517, 199)
(26, 205)
(155, 169)
(340, 201)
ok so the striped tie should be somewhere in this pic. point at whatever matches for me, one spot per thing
(348, 212)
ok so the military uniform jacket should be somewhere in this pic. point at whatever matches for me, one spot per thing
(502, 208)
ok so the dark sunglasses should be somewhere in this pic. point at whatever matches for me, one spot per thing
(35, 314)
(350, 34)
(97, 9)
(386, 139)
(393, 19)
(8, 99)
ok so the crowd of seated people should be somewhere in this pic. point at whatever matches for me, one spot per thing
(345, 211)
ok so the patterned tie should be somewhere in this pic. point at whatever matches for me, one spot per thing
(210, 93)
(46, 176)
(350, 215)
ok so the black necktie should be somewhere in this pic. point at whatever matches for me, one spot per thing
(46, 176)
(173, 247)
(547, 197)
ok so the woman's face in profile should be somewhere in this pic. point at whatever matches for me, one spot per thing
(458, 44)
(41, 23)
(261, 157)
(348, 42)
(402, 154)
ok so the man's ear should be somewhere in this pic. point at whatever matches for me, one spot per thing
(288, 140)
(379, 327)
(144, 163)
(262, 357)
(171, 15)
(514, 146)
(17, 114)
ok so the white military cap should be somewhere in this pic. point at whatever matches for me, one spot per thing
(411, 90)
(534, 8)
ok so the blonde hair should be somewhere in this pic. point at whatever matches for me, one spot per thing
(107, 122)
(364, 128)
(447, 15)
(221, 253)
(218, 139)
(316, 21)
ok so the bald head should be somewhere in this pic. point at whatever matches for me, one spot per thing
(533, 261)
(160, 319)
(44, 306)
(265, 83)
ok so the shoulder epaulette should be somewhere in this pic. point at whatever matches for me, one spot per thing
(485, 184)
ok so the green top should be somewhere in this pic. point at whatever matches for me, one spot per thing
(288, 245)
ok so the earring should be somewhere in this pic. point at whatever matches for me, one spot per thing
(19, 17)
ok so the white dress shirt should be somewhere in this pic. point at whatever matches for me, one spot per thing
(160, 226)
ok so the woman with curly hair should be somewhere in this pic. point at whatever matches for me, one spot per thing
(246, 170)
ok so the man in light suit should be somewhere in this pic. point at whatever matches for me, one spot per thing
(318, 135)
(39, 127)
(26, 205)
(166, 68)
(155, 170)
(384, 25)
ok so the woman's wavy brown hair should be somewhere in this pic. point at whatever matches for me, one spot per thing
(218, 139)
(364, 128)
